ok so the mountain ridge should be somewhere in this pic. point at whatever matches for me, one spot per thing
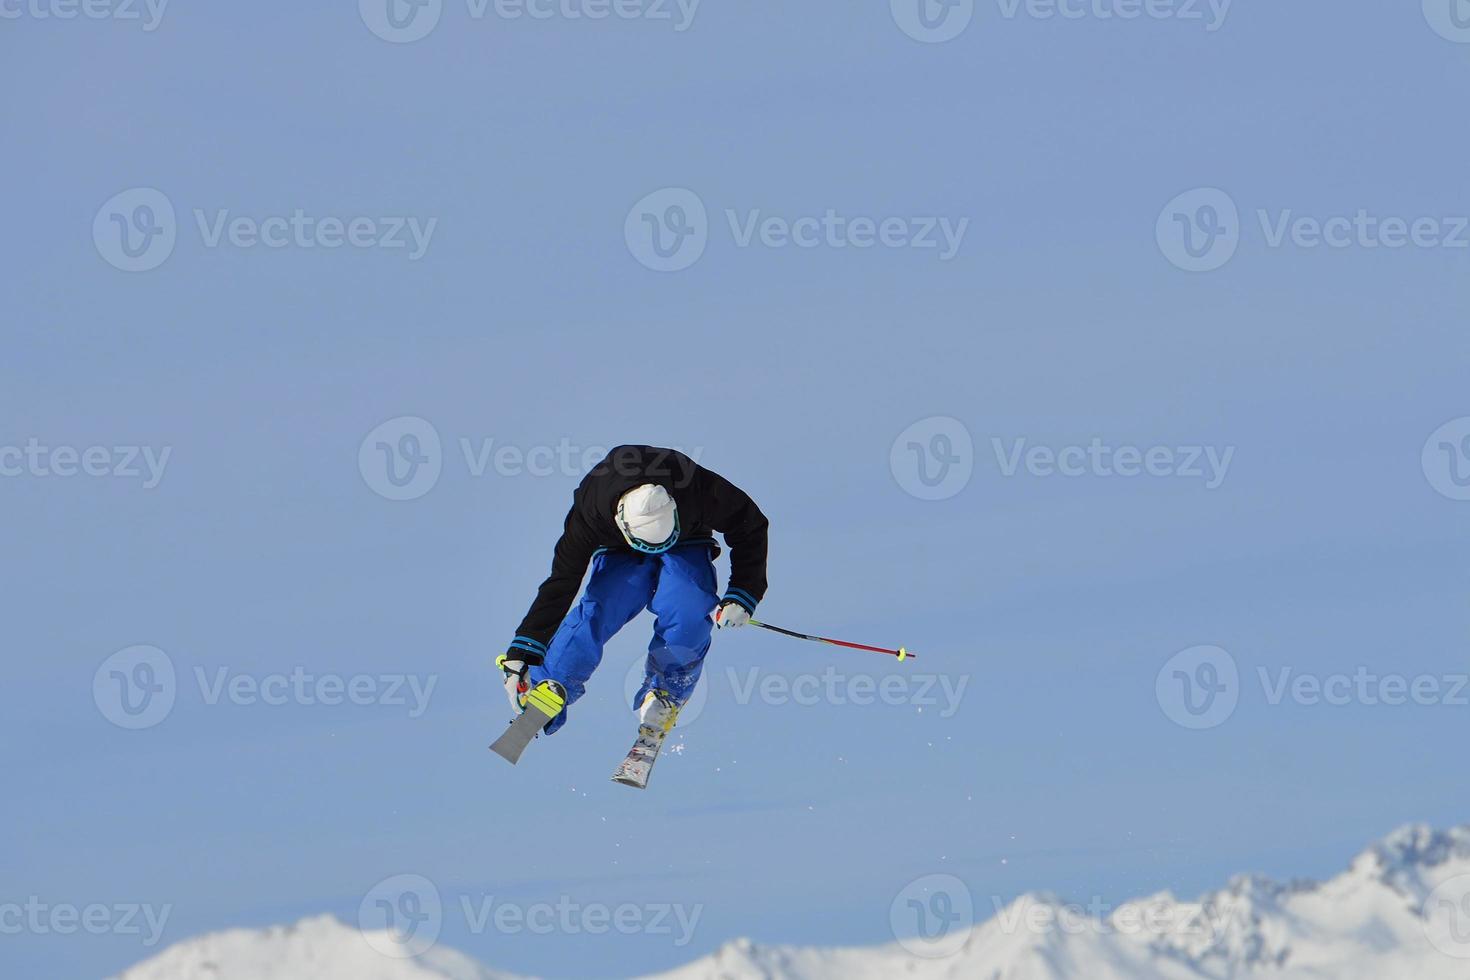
(1400, 909)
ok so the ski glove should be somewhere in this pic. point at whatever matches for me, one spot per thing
(517, 683)
(731, 615)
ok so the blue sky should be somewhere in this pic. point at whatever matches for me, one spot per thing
(530, 319)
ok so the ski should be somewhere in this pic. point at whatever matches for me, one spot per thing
(634, 770)
(543, 703)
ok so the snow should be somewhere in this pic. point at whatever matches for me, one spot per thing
(321, 948)
(1367, 923)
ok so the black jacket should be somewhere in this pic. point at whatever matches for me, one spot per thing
(707, 503)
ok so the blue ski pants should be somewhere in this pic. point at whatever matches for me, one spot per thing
(678, 587)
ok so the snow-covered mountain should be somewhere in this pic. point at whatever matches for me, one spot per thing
(1401, 910)
(1368, 923)
(319, 948)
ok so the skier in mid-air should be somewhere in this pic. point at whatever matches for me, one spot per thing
(644, 518)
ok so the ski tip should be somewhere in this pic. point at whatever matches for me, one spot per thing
(629, 782)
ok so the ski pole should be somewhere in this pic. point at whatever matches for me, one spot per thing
(900, 653)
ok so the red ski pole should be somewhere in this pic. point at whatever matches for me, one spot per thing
(900, 653)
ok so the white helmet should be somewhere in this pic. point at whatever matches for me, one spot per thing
(648, 519)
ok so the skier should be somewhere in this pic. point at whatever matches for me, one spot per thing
(643, 518)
